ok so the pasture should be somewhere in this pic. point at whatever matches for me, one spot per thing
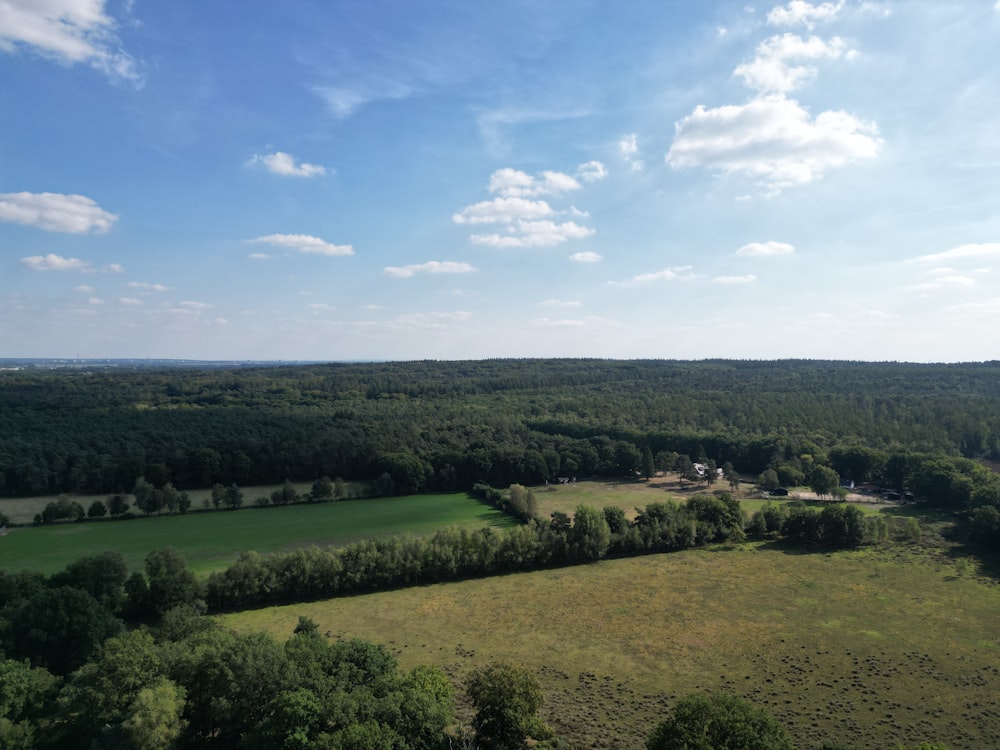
(211, 541)
(870, 647)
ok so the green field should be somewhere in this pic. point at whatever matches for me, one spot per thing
(872, 647)
(211, 541)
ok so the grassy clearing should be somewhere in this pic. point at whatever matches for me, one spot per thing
(211, 541)
(872, 647)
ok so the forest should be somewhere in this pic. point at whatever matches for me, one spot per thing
(447, 425)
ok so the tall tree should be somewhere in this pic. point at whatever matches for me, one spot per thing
(506, 699)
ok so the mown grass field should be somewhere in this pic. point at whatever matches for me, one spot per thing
(211, 541)
(872, 647)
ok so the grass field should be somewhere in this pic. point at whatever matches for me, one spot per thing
(211, 541)
(872, 647)
(629, 495)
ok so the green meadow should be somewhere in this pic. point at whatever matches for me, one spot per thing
(211, 541)
(873, 647)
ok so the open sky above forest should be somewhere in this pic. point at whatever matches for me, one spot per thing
(385, 179)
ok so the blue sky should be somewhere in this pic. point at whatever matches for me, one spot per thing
(386, 179)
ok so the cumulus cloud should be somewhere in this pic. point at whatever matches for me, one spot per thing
(69, 32)
(980, 250)
(195, 306)
(55, 212)
(527, 219)
(771, 139)
(561, 303)
(259, 256)
(591, 171)
(303, 243)
(52, 262)
(628, 147)
(587, 257)
(515, 183)
(760, 249)
(534, 234)
(150, 287)
(801, 13)
(502, 210)
(748, 279)
(773, 70)
(431, 266)
(284, 164)
(130, 301)
(85, 289)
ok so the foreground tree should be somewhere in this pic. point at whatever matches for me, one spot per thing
(506, 699)
(718, 722)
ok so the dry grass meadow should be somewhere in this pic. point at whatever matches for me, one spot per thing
(872, 647)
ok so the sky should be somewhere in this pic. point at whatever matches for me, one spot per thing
(395, 180)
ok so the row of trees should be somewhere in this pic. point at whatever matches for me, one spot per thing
(591, 534)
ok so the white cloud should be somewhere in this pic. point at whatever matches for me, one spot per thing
(502, 210)
(561, 303)
(771, 139)
(303, 243)
(628, 146)
(944, 282)
(759, 249)
(982, 250)
(748, 279)
(319, 306)
(591, 171)
(513, 183)
(434, 319)
(114, 268)
(677, 273)
(587, 257)
(534, 234)
(144, 285)
(344, 101)
(772, 71)
(52, 262)
(259, 256)
(801, 13)
(95, 301)
(68, 31)
(431, 266)
(284, 164)
(85, 289)
(196, 306)
(130, 301)
(55, 212)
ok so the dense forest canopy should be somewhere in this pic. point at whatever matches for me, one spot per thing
(447, 425)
